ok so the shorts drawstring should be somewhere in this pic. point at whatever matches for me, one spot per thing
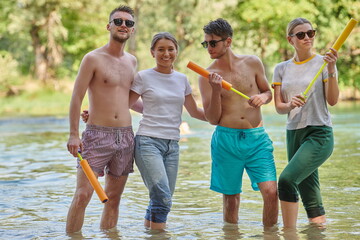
(242, 135)
(118, 137)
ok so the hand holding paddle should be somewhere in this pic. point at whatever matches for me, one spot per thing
(205, 73)
(338, 43)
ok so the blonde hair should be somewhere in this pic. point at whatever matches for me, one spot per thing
(296, 22)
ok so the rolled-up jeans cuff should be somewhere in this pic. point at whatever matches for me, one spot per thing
(156, 217)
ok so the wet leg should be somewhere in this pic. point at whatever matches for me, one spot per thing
(231, 204)
(271, 203)
(82, 196)
(114, 187)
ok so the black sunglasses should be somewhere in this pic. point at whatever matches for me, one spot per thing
(212, 43)
(301, 35)
(119, 22)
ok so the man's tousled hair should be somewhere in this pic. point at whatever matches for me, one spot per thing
(122, 8)
(219, 27)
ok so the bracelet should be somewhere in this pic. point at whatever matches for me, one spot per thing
(332, 75)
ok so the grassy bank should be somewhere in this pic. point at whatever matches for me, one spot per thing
(49, 102)
(44, 102)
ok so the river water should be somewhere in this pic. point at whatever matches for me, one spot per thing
(37, 181)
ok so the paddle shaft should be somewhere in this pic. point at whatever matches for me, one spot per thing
(92, 179)
(203, 72)
(338, 43)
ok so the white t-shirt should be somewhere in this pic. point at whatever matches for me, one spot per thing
(294, 78)
(163, 97)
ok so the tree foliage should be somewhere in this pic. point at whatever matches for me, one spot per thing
(9, 74)
(262, 29)
(48, 38)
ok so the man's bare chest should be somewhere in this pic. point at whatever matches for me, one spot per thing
(241, 79)
(114, 76)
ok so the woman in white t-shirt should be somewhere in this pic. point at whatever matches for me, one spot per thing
(164, 92)
(309, 129)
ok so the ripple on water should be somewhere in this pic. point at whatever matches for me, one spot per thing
(38, 178)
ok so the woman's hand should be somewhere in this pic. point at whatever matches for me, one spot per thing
(297, 101)
(331, 58)
(85, 116)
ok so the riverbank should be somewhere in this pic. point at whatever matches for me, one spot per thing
(38, 101)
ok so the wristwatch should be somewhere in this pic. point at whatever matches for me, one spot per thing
(332, 75)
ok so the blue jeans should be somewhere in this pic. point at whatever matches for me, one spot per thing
(157, 160)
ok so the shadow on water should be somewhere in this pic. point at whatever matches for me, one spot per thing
(37, 181)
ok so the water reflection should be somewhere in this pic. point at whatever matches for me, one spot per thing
(76, 236)
(158, 234)
(271, 233)
(310, 231)
(232, 231)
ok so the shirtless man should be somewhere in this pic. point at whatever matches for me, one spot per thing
(239, 141)
(108, 140)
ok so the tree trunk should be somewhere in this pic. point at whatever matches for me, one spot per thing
(41, 63)
(132, 40)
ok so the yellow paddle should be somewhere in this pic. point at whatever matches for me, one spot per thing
(339, 42)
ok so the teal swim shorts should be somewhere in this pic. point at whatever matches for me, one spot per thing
(232, 151)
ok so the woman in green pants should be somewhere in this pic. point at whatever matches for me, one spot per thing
(309, 129)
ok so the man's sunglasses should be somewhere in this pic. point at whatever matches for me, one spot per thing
(212, 43)
(301, 35)
(119, 22)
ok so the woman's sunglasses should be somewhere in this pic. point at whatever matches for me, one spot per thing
(301, 35)
(119, 22)
(212, 43)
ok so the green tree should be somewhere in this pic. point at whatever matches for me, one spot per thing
(184, 19)
(41, 20)
(262, 29)
(9, 74)
(42, 24)
(48, 38)
(261, 26)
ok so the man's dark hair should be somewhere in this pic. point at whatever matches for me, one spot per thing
(122, 8)
(219, 27)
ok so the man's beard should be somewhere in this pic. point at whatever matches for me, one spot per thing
(119, 39)
(218, 55)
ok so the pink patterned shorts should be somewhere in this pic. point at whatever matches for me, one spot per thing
(109, 149)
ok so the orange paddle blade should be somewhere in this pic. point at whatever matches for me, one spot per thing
(205, 73)
(93, 180)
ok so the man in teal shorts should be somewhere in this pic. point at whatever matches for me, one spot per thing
(239, 141)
